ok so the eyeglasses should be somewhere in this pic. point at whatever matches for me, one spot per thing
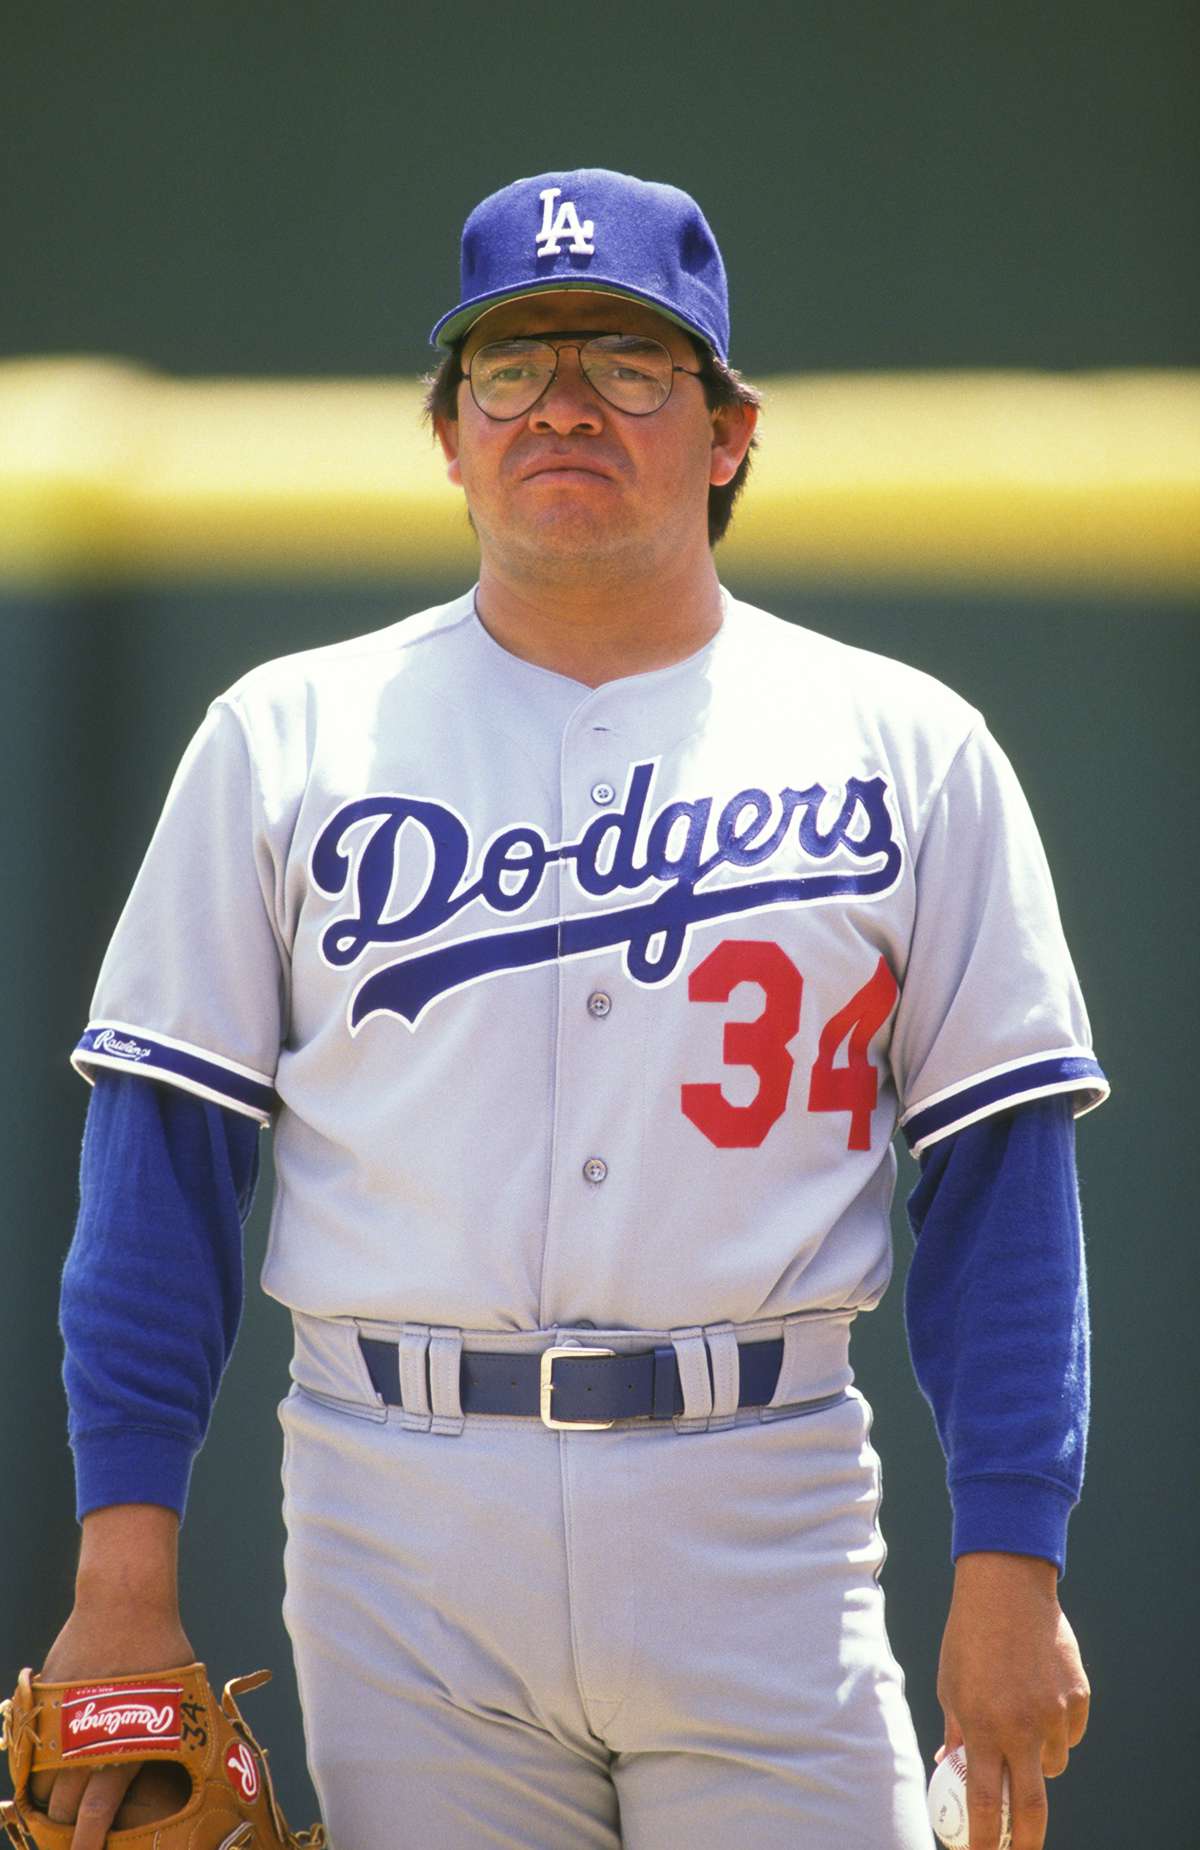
(631, 372)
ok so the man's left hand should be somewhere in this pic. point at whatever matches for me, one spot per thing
(1012, 1689)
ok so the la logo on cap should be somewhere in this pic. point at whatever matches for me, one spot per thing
(563, 224)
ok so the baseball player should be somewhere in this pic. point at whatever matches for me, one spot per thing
(583, 941)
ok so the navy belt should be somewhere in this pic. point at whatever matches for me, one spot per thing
(576, 1386)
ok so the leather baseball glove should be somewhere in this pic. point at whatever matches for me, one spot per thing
(216, 1773)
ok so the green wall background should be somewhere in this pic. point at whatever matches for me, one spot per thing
(277, 190)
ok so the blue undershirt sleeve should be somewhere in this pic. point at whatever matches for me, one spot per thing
(997, 1318)
(152, 1287)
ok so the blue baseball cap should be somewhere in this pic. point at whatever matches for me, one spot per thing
(593, 229)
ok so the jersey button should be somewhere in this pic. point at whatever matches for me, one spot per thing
(602, 793)
(599, 1004)
(595, 1169)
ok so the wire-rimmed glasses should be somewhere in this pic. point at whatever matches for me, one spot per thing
(631, 372)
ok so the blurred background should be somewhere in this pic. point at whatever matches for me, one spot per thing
(962, 244)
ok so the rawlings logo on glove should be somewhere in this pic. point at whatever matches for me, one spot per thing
(173, 1717)
(103, 1716)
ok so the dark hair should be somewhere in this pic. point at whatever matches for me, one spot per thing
(722, 384)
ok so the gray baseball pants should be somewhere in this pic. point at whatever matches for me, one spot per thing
(663, 1636)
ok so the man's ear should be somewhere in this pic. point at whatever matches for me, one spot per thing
(447, 435)
(732, 427)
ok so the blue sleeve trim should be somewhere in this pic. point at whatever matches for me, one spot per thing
(1013, 1084)
(126, 1049)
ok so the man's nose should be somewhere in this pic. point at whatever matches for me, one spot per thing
(569, 402)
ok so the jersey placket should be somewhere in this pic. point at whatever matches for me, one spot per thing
(598, 1118)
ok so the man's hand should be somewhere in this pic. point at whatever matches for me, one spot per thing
(125, 1619)
(1012, 1689)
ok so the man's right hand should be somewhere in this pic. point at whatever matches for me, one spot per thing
(125, 1620)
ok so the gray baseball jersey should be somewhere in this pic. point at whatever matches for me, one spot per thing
(603, 1004)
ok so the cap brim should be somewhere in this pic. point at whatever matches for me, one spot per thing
(452, 327)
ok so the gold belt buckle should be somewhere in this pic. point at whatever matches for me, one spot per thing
(548, 1359)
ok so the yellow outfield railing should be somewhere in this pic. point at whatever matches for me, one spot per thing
(969, 479)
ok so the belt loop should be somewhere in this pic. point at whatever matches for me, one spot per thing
(692, 1358)
(414, 1379)
(445, 1368)
(726, 1374)
(815, 1360)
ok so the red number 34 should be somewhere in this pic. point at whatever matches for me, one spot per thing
(762, 1044)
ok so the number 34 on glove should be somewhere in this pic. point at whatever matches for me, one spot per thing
(171, 1716)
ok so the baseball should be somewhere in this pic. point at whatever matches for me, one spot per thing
(948, 1803)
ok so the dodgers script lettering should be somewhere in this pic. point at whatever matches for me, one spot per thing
(672, 854)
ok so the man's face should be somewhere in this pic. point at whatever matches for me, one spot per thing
(575, 484)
